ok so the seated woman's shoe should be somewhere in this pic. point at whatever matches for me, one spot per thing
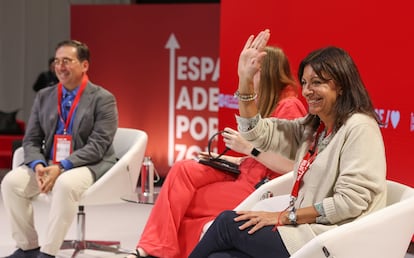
(137, 255)
(133, 255)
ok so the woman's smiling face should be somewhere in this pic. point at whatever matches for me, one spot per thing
(320, 93)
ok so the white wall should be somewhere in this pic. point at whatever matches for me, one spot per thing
(29, 32)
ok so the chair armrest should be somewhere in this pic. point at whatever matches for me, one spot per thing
(281, 185)
(18, 157)
(383, 233)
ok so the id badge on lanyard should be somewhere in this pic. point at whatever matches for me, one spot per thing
(63, 142)
(62, 147)
(305, 164)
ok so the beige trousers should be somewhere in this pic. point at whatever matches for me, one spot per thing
(18, 188)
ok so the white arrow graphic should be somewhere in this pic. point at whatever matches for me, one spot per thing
(172, 45)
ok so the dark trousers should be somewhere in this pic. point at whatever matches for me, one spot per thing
(224, 239)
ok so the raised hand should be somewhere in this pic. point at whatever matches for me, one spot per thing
(250, 60)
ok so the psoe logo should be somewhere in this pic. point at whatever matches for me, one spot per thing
(412, 122)
(388, 117)
(228, 101)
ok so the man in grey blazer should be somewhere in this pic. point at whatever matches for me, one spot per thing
(67, 146)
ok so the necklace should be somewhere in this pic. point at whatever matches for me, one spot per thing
(324, 140)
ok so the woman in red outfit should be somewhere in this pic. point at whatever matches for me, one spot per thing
(194, 194)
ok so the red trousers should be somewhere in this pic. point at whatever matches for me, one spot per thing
(192, 195)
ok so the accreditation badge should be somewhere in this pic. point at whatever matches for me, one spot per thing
(62, 147)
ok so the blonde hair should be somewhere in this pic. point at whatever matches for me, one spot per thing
(275, 76)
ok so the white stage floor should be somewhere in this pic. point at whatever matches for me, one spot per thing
(122, 222)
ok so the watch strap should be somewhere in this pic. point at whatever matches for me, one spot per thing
(255, 152)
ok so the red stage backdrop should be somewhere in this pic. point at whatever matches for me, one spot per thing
(161, 62)
(378, 35)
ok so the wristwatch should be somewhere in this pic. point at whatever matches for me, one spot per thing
(292, 216)
(255, 152)
(61, 168)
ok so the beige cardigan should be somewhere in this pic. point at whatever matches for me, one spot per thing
(348, 176)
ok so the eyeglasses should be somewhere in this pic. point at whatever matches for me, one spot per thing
(64, 61)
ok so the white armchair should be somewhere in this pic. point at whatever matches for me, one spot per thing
(280, 186)
(384, 233)
(118, 182)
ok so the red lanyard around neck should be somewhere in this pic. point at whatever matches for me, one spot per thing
(306, 162)
(74, 104)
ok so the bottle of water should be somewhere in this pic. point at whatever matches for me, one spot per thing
(147, 177)
(81, 225)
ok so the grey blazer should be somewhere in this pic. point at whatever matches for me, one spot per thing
(94, 127)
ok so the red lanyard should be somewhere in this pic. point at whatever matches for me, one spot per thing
(74, 104)
(306, 162)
